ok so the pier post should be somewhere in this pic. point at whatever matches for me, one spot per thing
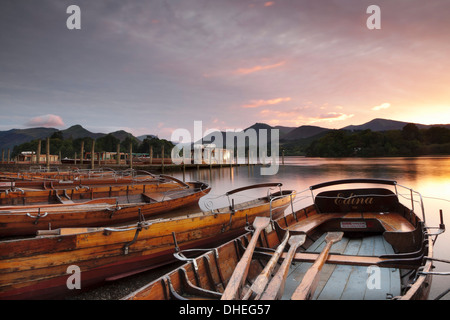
(93, 154)
(38, 153)
(162, 159)
(47, 153)
(82, 152)
(151, 155)
(131, 155)
(118, 154)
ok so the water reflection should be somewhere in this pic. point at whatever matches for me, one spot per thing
(428, 175)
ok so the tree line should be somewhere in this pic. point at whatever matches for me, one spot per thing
(410, 141)
(108, 143)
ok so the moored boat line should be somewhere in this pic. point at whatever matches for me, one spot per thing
(36, 267)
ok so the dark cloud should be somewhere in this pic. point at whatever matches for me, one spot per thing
(158, 64)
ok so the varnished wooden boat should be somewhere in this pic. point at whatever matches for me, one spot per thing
(354, 244)
(98, 206)
(38, 267)
(54, 191)
(62, 175)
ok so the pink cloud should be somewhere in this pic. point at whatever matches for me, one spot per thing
(48, 121)
(332, 116)
(260, 103)
(381, 106)
(259, 68)
(269, 3)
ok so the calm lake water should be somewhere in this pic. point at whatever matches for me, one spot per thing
(430, 176)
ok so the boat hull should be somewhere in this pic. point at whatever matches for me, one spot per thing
(38, 267)
(94, 213)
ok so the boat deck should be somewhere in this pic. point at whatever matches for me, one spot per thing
(346, 282)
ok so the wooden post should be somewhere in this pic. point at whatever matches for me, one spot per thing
(92, 154)
(151, 155)
(9, 155)
(162, 158)
(3, 155)
(82, 152)
(131, 155)
(118, 154)
(38, 154)
(47, 153)
(60, 157)
(282, 157)
(75, 159)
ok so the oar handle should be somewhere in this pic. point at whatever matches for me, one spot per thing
(240, 272)
(261, 281)
(307, 287)
(276, 286)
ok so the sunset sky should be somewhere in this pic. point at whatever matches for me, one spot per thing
(150, 67)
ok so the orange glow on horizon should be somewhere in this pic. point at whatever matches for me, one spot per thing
(429, 115)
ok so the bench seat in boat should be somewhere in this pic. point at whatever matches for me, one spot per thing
(391, 221)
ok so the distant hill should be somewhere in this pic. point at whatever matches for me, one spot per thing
(122, 135)
(385, 125)
(284, 130)
(304, 132)
(77, 131)
(13, 137)
(257, 126)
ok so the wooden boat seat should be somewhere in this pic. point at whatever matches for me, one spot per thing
(391, 221)
(154, 196)
(63, 201)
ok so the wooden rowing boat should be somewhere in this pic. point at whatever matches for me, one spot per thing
(62, 175)
(99, 206)
(38, 267)
(354, 244)
(43, 191)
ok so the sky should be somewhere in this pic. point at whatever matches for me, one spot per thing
(151, 67)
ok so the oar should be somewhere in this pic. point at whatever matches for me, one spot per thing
(261, 281)
(306, 288)
(240, 272)
(275, 288)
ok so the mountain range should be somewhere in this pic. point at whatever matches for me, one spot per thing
(306, 131)
(13, 137)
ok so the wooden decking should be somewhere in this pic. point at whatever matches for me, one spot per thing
(347, 282)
